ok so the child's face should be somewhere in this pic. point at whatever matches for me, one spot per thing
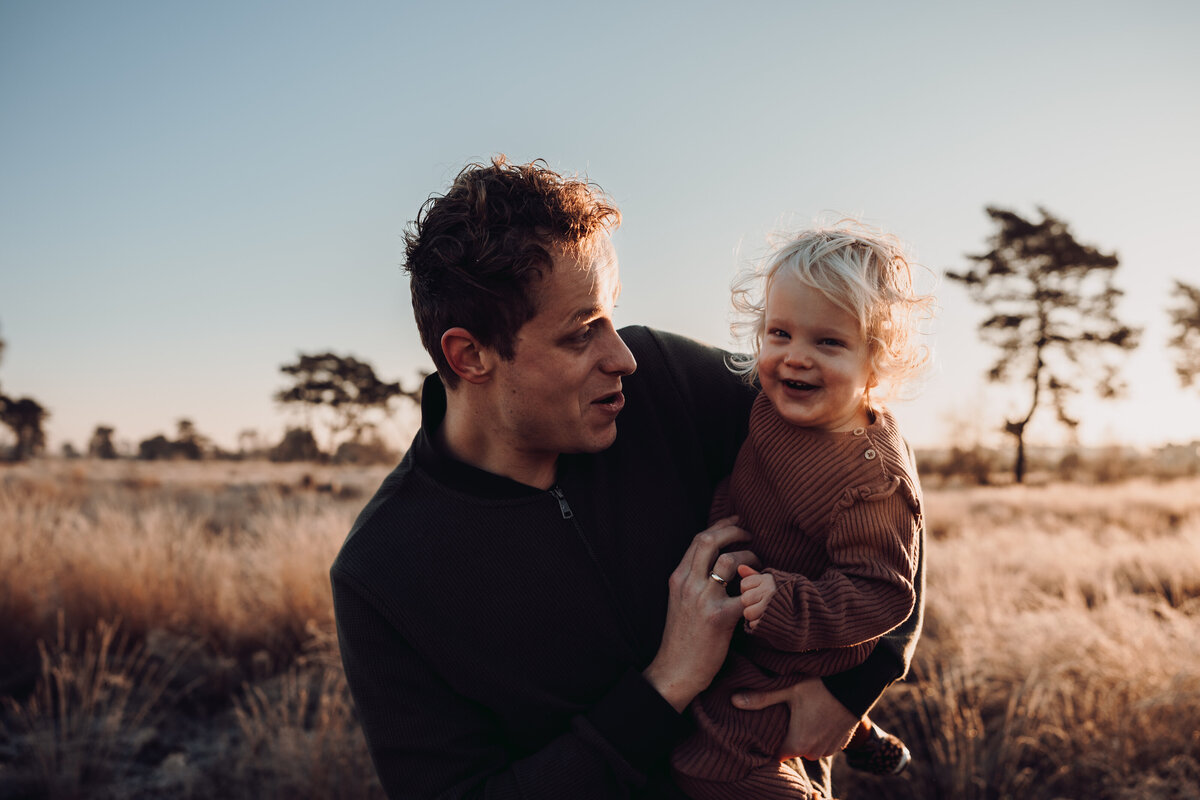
(813, 361)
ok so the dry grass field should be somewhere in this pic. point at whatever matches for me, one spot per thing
(166, 631)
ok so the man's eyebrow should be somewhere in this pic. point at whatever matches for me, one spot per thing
(585, 315)
(589, 313)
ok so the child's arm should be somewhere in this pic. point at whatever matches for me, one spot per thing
(867, 590)
(858, 688)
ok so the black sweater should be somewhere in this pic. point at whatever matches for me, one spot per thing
(493, 634)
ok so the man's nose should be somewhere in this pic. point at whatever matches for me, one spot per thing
(617, 359)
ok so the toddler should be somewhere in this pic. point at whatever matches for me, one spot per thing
(827, 487)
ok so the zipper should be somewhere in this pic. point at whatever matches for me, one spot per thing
(563, 505)
(622, 613)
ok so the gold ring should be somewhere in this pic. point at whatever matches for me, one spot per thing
(718, 578)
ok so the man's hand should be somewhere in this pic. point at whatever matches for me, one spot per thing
(820, 725)
(701, 616)
(757, 590)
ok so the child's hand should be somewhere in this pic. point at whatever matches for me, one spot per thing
(757, 588)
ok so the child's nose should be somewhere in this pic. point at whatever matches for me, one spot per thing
(797, 358)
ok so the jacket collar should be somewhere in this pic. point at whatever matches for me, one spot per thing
(431, 457)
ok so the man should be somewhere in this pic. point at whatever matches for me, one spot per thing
(506, 621)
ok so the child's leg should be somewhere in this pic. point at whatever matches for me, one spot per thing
(773, 782)
(730, 756)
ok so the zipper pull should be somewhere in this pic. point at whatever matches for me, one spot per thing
(562, 502)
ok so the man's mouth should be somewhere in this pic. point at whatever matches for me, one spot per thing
(800, 386)
(614, 401)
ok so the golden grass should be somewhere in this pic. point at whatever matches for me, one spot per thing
(226, 563)
(239, 563)
(1061, 656)
(1063, 623)
(297, 739)
(98, 700)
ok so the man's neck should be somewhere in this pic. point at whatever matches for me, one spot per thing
(473, 440)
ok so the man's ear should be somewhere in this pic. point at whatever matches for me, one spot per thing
(466, 356)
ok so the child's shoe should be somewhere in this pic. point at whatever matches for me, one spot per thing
(879, 753)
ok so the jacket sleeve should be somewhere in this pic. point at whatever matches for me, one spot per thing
(711, 399)
(866, 590)
(427, 741)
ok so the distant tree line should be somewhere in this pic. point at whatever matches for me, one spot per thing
(975, 465)
(187, 444)
(340, 396)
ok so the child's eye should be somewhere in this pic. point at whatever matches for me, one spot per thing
(779, 333)
(829, 342)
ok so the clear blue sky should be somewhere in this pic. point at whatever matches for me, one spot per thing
(193, 193)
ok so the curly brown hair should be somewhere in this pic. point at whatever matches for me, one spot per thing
(475, 254)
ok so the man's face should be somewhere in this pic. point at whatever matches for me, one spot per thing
(561, 392)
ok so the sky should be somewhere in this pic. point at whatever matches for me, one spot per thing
(192, 194)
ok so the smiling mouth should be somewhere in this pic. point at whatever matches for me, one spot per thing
(800, 386)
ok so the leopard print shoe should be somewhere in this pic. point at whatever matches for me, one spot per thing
(881, 754)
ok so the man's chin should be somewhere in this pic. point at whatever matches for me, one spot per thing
(599, 441)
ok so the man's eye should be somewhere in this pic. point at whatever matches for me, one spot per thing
(582, 336)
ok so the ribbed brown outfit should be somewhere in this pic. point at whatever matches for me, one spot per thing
(835, 516)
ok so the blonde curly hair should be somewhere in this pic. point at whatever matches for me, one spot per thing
(862, 270)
